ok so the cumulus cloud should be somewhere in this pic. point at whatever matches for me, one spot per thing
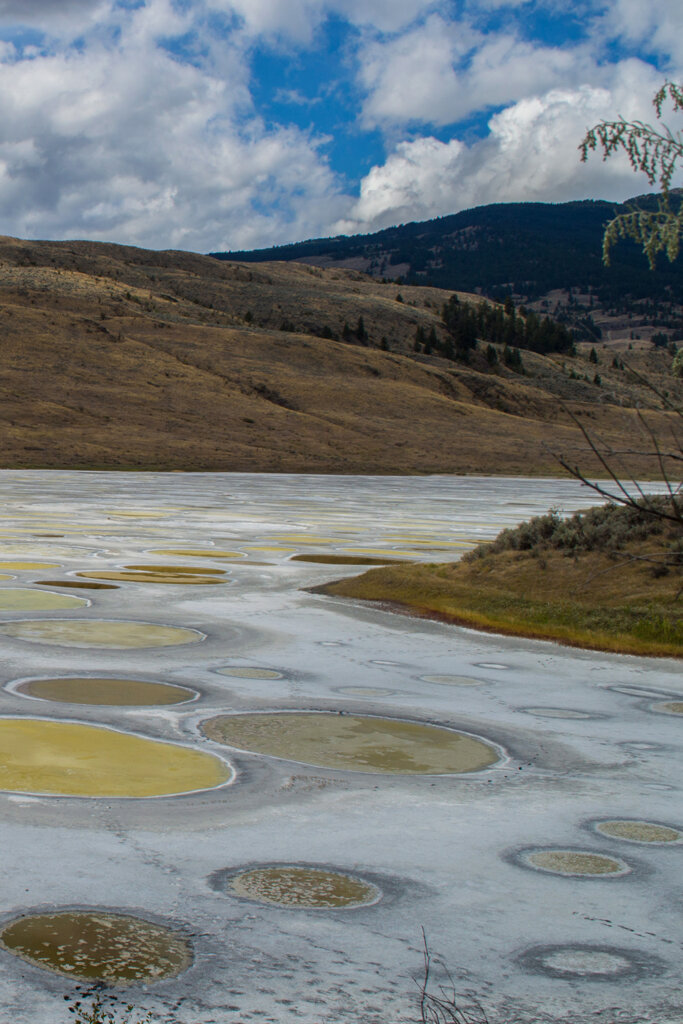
(54, 16)
(125, 142)
(657, 25)
(530, 154)
(297, 20)
(441, 72)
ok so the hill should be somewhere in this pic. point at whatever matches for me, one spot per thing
(117, 357)
(547, 255)
(528, 249)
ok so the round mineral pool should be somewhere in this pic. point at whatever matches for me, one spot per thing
(185, 579)
(577, 962)
(27, 566)
(365, 691)
(198, 553)
(639, 831)
(575, 862)
(36, 601)
(669, 707)
(345, 560)
(557, 713)
(98, 946)
(76, 584)
(175, 570)
(89, 633)
(247, 672)
(71, 759)
(100, 690)
(354, 742)
(311, 888)
(444, 679)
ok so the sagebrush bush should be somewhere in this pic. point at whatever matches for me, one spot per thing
(606, 528)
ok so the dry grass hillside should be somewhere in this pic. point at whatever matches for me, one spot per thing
(117, 357)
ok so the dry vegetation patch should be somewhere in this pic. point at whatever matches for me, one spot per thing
(608, 578)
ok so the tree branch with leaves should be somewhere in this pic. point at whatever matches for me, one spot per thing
(654, 150)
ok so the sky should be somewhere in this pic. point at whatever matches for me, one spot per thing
(211, 125)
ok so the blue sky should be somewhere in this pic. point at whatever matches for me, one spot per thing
(224, 124)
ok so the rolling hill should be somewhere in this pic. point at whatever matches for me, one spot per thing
(117, 357)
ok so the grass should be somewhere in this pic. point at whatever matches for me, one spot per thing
(605, 579)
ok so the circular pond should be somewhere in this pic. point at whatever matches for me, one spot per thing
(575, 863)
(344, 559)
(639, 831)
(98, 946)
(445, 679)
(27, 566)
(79, 584)
(99, 690)
(295, 886)
(87, 633)
(247, 672)
(176, 570)
(149, 577)
(197, 553)
(36, 601)
(354, 742)
(71, 759)
(589, 963)
(557, 713)
(669, 707)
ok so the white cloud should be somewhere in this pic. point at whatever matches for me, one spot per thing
(655, 25)
(441, 72)
(128, 143)
(297, 20)
(530, 155)
(54, 16)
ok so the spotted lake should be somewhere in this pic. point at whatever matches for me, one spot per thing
(234, 800)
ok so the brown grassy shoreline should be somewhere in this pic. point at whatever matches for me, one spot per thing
(618, 595)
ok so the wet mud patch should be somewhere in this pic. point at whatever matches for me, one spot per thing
(98, 946)
(90, 633)
(638, 831)
(572, 863)
(354, 742)
(182, 578)
(96, 691)
(71, 759)
(37, 601)
(302, 886)
(589, 962)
